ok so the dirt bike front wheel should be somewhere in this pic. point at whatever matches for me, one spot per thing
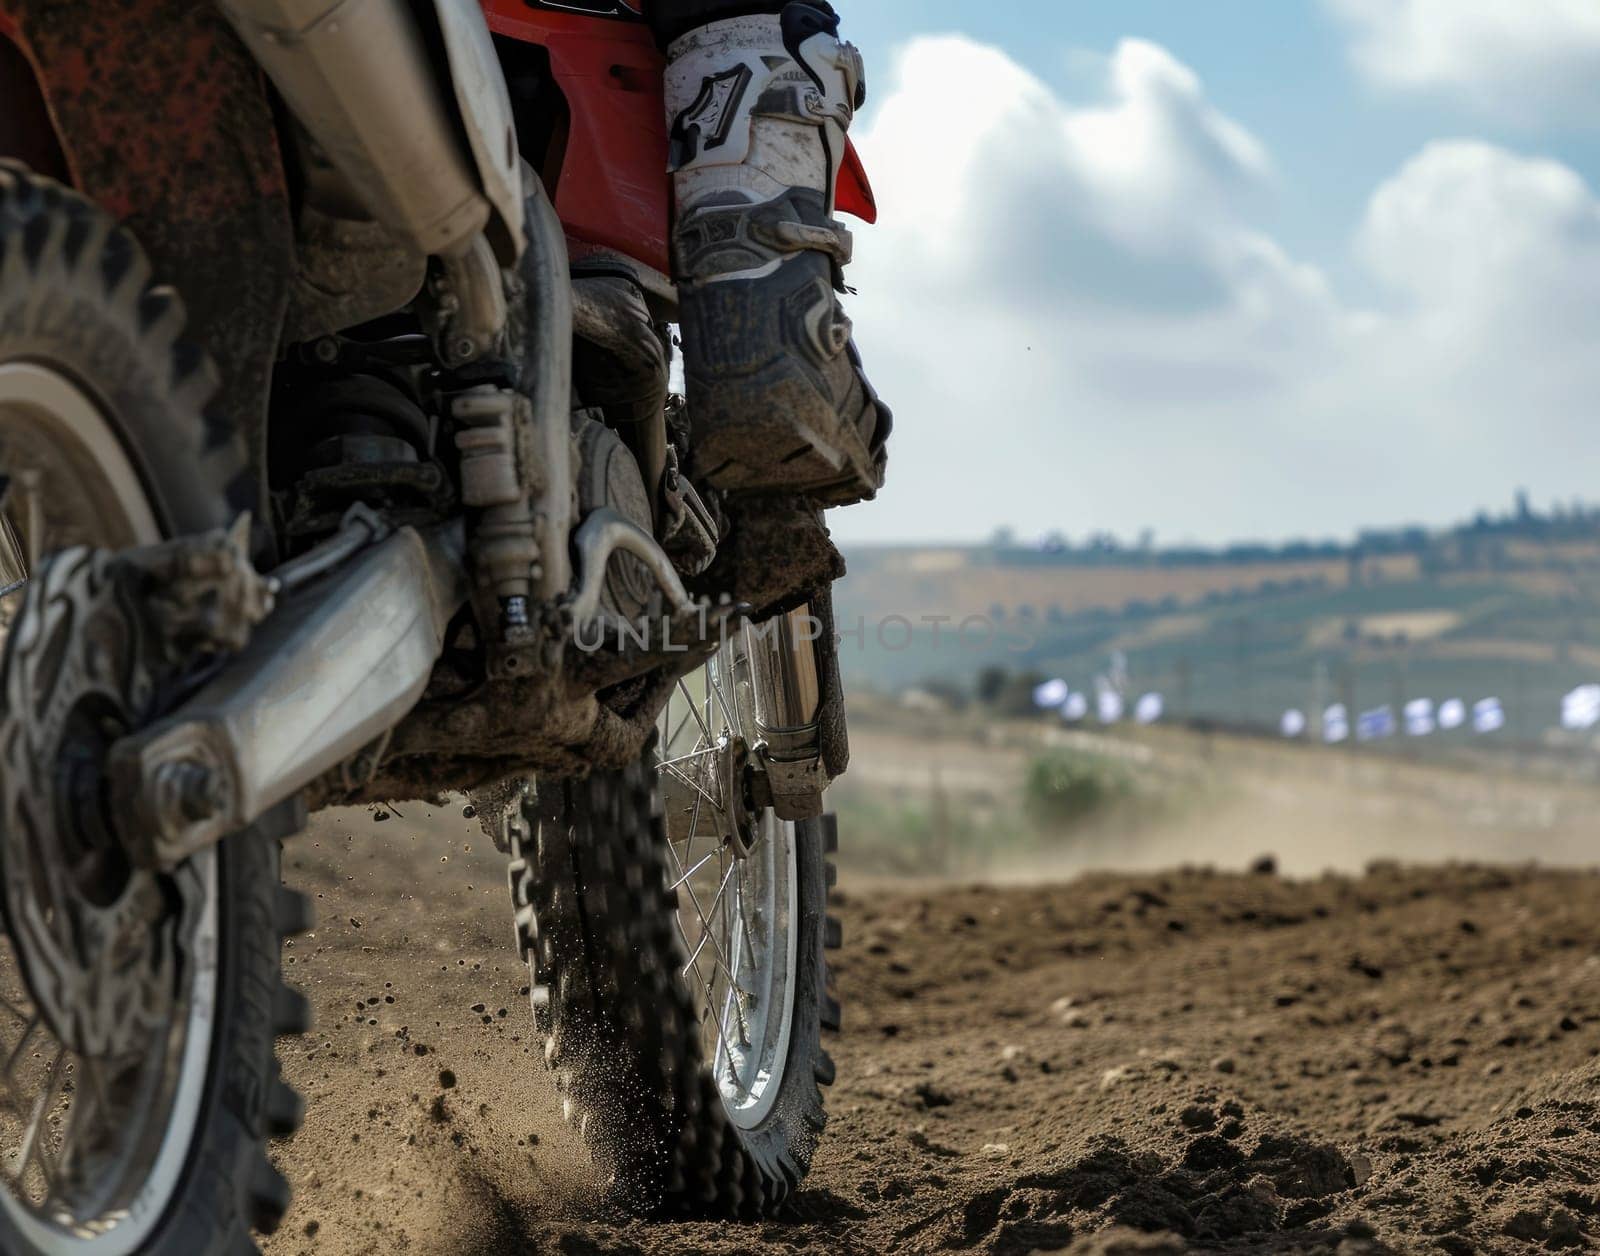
(137, 1010)
(677, 940)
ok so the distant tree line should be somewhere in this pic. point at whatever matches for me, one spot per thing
(1482, 543)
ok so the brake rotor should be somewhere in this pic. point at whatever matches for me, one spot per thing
(97, 939)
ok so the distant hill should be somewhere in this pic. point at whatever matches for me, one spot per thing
(1508, 607)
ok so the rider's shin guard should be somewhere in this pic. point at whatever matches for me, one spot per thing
(758, 108)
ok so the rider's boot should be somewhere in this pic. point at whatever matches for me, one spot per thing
(759, 107)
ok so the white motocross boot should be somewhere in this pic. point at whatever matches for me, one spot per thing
(758, 108)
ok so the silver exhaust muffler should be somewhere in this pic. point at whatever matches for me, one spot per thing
(327, 675)
(358, 76)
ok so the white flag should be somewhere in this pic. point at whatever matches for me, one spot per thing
(1488, 716)
(1419, 717)
(1149, 709)
(1580, 709)
(1109, 706)
(1452, 713)
(1051, 695)
(1293, 724)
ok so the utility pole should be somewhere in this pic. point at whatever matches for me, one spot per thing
(1243, 675)
(1398, 679)
(1319, 702)
(1347, 691)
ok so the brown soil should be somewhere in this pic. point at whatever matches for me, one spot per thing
(1192, 1061)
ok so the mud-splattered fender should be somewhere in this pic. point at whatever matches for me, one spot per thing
(160, 116)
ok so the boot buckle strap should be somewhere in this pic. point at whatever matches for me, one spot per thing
(796, 237)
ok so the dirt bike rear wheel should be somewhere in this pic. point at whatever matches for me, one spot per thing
(121, 1134)
(679, 972)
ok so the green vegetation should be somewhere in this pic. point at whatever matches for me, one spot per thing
(1067, 803)
(1066, 787)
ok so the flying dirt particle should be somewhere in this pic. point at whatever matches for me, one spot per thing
(478, 1008)
(1265, 866)
(378, 817)
(1224, 1064)
(311, 1228)
(469, 812)
(447, 1079)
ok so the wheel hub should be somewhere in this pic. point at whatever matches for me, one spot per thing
(97, 940)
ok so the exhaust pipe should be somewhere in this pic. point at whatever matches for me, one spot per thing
(358, 77)
(328, 675)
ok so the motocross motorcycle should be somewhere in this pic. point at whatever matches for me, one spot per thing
(338, 466)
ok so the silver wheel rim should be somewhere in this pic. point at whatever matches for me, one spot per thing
(73, 483)
(736, 879)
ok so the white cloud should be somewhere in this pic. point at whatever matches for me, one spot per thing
(1520, 59)
(1496, 260)
(1080, 327)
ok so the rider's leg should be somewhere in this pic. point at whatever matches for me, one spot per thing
(759, 96)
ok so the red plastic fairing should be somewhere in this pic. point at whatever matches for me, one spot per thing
(614, 189)
(855, 189)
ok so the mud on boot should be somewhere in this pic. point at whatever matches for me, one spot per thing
(759, 107)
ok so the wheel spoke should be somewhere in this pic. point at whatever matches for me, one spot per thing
(705, 731)
(694, 785)
(714, 684)
(692, 871)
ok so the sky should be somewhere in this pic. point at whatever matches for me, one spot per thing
(1248, 269)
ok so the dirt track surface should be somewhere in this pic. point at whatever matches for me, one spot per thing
(1148, 1064)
